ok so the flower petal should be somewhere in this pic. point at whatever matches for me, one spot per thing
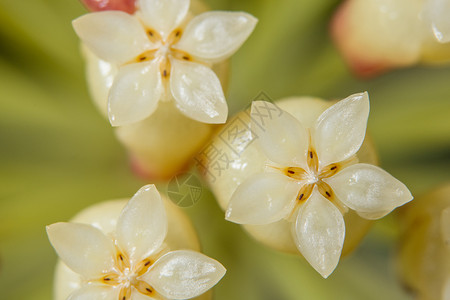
(83, 248)
(97, 292)
(100, 76)
(319, 233)
(142, 225)
(340, 130)
(163, 15)
(373, 215)
(198, 93)
(136, 295)
(438, 11)
(369, 189)
(113, 36)
(282, 137)
(135, 93)
(184, 274)
(214, 36)
(262, 199)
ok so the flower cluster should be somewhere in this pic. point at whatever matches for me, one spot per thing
(157, 52)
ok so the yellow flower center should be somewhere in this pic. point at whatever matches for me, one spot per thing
(126, 276)
(314, 176)
(164, 52)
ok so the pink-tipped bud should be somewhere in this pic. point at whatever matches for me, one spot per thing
(128, 6)
(374, 36)
(355, 58)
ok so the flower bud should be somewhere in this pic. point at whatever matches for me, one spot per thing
(423, 257)
(127, 6)
(375, 36)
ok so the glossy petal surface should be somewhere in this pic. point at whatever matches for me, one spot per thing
(135, 295)
(438, 11)
(263, 198)
(163, 15)
(100, 76)
(282, 137)
(340, 130)
(198, 93)
(319, 233)
(216, 35)
(367, 188)
(113, 36)
(184, 274)
(373, 215)
(97, 292)
(142, 225)
(83, 248)
(135, 93)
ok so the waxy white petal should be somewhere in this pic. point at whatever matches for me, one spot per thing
(373, 215)
(135, 93)
(142, 225)
(340, 130)
(282, 137)
(83, 248)
(214, 36)
(370, 189)
(100, 76)
(97, 292)
(438, 11)
(262, 199)
(184, 274)
(163, 15)
(113, 36)
(198, 93)
(319, 233)
(136, 295)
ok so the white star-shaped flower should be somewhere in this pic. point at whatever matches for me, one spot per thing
(160, 57)
(132, 262)
(313, 177)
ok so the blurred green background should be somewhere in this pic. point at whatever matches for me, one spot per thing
(58, 155)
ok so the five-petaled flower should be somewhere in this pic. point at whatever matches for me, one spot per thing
(133, 262)
(312, 178)
(162, 56)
